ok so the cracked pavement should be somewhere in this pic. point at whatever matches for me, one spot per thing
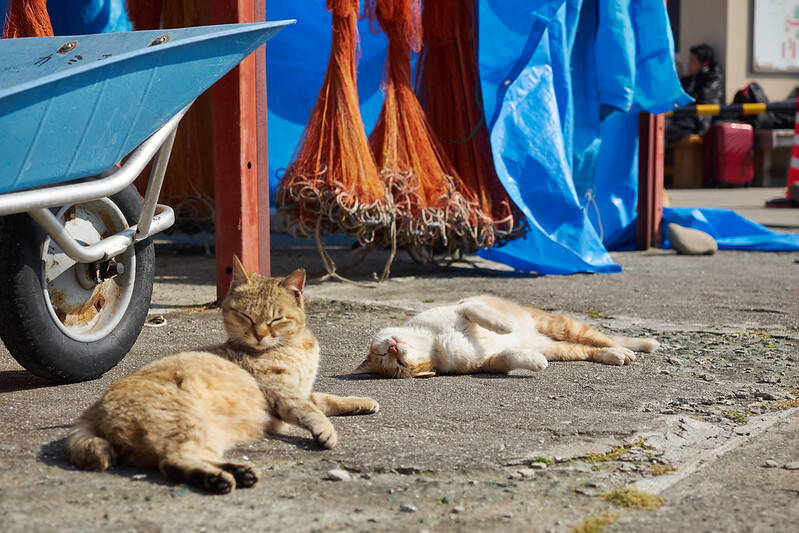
(694, 422)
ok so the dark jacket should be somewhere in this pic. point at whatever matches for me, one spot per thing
(705, 87)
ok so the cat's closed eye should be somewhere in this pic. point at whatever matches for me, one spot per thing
(243, 315)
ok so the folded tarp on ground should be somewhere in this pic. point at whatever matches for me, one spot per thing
(731, 230)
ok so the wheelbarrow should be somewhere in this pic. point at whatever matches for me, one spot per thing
(80, 118)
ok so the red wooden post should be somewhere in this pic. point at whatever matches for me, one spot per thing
(241, 184)
(650, 180)
(651, 129)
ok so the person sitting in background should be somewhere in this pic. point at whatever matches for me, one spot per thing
(705, 84)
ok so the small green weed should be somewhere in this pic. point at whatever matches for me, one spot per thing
(736, 417)
(630, 498)
(659, 470)
(596, 523)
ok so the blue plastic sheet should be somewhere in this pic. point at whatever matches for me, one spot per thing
(573, 174)
(731, 230)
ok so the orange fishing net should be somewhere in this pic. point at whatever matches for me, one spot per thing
(435, 212)
(26, 18)
(448, 87)
(332, 184)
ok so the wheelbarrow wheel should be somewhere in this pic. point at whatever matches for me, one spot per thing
(68, 321)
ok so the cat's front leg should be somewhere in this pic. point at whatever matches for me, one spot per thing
(302, 412)
(333, 405)
(512, 359)
(485, 316)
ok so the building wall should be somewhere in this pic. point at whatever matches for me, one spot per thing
(726, 26)
(703, 21)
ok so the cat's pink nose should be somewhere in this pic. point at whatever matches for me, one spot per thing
(393, 349)
(257, 337)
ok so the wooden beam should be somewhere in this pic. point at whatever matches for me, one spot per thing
(651, 143)
(241, 197)
(650, 180)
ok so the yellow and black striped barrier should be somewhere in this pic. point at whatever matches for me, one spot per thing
(732, 110)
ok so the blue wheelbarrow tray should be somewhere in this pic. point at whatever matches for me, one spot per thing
(72, 107)
(75, 289)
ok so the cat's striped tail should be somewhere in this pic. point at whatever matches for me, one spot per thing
(87, 450)
(638, 344)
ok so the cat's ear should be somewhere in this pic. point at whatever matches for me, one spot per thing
(295, 282)
(426, 374)
(240, 274)
(366, 367)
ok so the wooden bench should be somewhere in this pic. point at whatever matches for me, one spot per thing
(684, 162)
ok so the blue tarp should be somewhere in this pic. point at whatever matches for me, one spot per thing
(539, 65)
(731, 230)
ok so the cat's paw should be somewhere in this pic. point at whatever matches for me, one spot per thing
(617, 355)
(244, 475)
(366, 406)
(218, 483)
(501, 326)
(325, 435)
(538, 362)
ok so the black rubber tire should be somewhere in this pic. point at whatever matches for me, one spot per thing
(26, 326)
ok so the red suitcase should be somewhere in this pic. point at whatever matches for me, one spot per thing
(729, 154)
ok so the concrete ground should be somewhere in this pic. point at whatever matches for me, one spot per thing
(706, 426)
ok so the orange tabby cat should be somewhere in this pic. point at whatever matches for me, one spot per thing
(182, 412)
(490, 334)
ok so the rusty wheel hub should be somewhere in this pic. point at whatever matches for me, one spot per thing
(88, 300)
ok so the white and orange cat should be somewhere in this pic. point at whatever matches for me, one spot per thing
(180, 413)
(491, 334)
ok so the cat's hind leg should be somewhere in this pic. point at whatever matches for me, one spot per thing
(332, 405)
(183, 466)
(569, 351)
(567, 329)
(511, 359)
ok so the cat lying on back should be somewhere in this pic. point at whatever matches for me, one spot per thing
(490, 334)
(182, 412)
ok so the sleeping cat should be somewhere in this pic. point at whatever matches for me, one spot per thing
(182, 412)
(490, 334)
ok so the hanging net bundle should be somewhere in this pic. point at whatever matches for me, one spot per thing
(26, 18)
(435, 212)
(448, 88)
(332, 184)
